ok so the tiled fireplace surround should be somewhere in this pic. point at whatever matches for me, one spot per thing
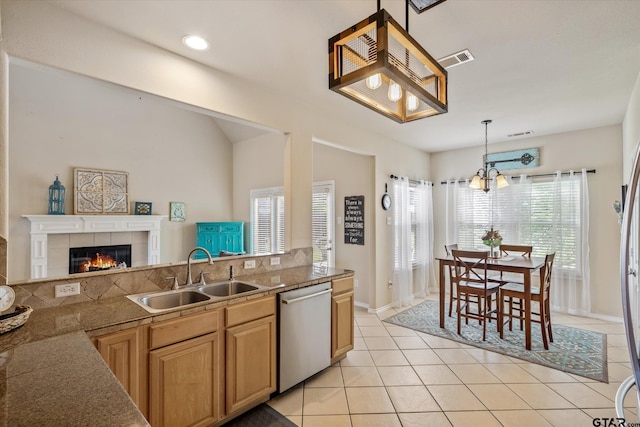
(58, 246)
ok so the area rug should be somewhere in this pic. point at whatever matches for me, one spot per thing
(573, 350)
(262, 415)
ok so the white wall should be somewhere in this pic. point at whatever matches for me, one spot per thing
(257, 163)
(42, 33)
(60, 121)
(354, 176)
(599, 149)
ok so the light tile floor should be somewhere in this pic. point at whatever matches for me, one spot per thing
(399, 377)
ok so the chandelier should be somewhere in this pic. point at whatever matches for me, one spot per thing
(482, 178)
(379, 65)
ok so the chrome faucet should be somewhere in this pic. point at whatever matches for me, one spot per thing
(189, 279)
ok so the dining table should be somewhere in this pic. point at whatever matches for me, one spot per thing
(507, 264)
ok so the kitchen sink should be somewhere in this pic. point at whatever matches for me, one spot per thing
(157, 302)
(168, 300)
(230, 287)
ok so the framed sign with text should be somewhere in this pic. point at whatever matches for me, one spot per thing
(354, 220)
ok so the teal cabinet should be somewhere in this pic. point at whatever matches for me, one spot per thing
(219, 236)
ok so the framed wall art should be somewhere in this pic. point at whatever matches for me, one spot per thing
(143, 208)
(99, 192)
(177, 212)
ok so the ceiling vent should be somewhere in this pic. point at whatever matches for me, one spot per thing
(525, 133)
(456, 59)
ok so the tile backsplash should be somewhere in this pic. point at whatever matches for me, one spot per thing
(93, 286)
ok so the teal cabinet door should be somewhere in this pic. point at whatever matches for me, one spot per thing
(219, 236)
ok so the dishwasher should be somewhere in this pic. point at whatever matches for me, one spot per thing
(305, 333)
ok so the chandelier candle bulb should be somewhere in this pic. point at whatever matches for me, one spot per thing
(481, 179)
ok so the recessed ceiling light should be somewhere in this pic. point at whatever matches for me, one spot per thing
(195, 42)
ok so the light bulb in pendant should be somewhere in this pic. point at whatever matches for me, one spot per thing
(374, 82)
(412, 102)
(395, 91)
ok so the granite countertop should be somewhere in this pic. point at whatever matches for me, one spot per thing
(53, 374)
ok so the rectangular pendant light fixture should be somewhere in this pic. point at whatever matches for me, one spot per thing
(379, 65)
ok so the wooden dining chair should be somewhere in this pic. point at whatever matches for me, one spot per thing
(452, 295)
(515, 251)
(540, 294)
(470, 280)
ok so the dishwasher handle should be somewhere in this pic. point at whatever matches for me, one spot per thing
(294, 300)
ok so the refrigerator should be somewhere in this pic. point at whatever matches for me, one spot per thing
(629, 282)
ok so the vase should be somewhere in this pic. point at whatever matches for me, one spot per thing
(493, 252)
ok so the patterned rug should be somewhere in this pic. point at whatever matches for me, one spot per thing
(573, 350)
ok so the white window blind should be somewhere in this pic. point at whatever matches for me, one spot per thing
(545, 214)
(413, 194)
(267, 220)
(322, 213)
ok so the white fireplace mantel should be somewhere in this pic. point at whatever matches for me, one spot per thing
(43, 225)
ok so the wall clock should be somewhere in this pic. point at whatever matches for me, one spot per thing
(7, 297)
(386, 199)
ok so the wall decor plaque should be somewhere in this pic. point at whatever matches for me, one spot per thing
(354, 220)
(100, 192)
(177, 212)
(517, 159)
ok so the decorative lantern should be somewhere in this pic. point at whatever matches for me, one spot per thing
(56, 198)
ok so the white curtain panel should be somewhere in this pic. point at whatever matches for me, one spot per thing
(451, 209)
(570, 289)
(402, 288)
(424, 268)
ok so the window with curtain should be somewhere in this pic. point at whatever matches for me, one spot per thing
(267, 220)
(545, 214)
(413, 272)
(413, 201)
(551, 214)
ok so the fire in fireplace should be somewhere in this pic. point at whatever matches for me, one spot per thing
(97, 258)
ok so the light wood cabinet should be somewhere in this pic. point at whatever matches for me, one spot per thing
(184, 383)
(186, 370)
(250, 353)
(123, 353)
(342, 318)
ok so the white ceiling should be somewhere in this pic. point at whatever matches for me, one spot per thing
(544, 65)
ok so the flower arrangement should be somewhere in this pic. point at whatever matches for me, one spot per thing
(493, 239)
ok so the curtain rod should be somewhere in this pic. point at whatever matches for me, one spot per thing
(411, 181)
(460, 181)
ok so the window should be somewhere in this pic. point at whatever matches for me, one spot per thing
(413, 219)
(412, 199)
(267, 220)
(545, 214)
(322, 222)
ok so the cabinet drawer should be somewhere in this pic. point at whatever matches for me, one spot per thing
(342, 285)
(251, 310)
(173, 331)
(219, 227)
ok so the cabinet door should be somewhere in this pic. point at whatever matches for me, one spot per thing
(185, 384)
(341, 324)
(123, 353)
(251, 362)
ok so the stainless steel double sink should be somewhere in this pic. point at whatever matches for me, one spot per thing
(155, 302)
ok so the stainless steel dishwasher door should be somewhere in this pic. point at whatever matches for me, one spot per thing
(305, 333)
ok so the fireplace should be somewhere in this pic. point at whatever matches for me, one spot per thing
(98, 258)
